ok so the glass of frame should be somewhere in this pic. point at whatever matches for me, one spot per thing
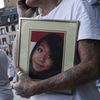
(46, 47)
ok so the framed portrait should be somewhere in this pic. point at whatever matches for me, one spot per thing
(46, 47)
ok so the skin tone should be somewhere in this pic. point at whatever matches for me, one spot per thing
(28, 12)
(86, 71)
(41, 60)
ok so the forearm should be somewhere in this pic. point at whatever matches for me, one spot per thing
(68, 80)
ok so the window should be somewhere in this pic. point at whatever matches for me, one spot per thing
(0, 42)
(15, 17)
(2, 31)
(4, 40)
(8, 19)
(13, 27)
(11, 38)
(7, 29)
(0, 21)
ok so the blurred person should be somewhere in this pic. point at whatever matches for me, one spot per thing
(5, 88)
(11, 71)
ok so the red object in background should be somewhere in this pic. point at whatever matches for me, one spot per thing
(36, 35)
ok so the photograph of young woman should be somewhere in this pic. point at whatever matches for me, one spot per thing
(46, 57)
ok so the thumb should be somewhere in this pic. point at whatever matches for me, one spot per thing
(15, 79)
(20, 76)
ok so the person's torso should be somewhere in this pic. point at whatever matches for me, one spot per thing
(69, 10)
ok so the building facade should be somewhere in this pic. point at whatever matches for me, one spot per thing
(8, 27)
(9, 3)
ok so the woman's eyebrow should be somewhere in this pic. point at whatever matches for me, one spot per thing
(43, 44)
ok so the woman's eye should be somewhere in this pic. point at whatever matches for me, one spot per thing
(39, 49)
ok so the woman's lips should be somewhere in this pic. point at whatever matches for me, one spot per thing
(38, 66)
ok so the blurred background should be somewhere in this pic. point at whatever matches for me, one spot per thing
(8, 24)
(8, 31)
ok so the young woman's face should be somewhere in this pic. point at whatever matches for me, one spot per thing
(41, 60)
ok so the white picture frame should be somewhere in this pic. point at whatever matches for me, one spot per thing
(31, 27)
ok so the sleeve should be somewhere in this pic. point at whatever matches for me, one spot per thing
(88, 26)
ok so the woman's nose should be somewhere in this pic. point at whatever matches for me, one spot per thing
(42, 57)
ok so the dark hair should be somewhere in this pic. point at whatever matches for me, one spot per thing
(55, 43)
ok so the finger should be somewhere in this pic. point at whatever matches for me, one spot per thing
(15, 85)
(15, 79)
(18, 92)
(20, 75)
(22, 93)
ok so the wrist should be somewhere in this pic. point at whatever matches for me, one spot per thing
(37, 87)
